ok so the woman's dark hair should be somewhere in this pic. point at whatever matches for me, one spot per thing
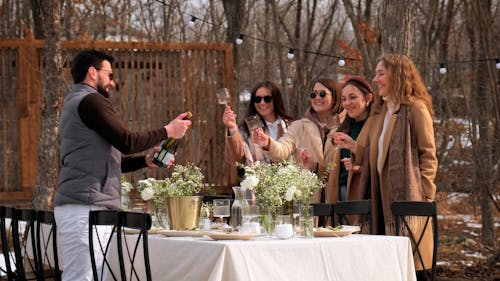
(85, 59)
(334, 87)
(364, 87)
(278, 106)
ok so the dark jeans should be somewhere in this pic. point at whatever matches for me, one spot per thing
(342, 192)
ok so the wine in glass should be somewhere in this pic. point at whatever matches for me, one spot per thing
(222, 208)
(254, 122)
(223, 96)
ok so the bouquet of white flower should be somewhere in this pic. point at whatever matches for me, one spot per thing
(185, 181)
(277, 183)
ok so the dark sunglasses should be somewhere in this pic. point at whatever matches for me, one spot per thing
(111, 75)
(267, 99)
(321, 94)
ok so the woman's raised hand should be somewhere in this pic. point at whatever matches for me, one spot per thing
(229, 119)
(260, 138)
(343, 140)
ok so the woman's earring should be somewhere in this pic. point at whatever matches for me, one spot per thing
(367, 104)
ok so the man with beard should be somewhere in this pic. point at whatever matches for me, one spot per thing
(93, 139)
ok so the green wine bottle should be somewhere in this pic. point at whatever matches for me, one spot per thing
(168, 147)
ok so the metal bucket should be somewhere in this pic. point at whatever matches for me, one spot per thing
(183, 211)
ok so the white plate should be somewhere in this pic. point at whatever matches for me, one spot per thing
(230, 236)
(181, 233)
(136, 231)
(344, 231)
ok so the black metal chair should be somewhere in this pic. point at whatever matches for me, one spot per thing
(324, 212)
(403, 211)
(210, 198)
(97, 219)
(25, 257)
(46, 241)
(355, 212)
(119, 220)
(141, 222)
(6, 237)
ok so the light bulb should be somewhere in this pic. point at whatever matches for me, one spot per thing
(341, 62)
(291, 54)
(239, 40)
(497, 63)
(442, 68)
(191, 22)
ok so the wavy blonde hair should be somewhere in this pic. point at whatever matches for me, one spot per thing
(406, 82)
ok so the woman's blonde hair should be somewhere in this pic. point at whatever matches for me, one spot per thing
(406, 83)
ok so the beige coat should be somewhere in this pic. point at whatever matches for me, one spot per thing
(380, 187)
(305, 134)
(239, 147)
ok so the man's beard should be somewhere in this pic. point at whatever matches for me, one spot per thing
(103, 91)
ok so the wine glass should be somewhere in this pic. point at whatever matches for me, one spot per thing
(254, 122)
(223, 96)
(222, 208)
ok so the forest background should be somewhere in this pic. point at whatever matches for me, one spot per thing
(454, 43)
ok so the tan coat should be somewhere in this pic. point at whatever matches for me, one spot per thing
(380, 187)
(239, 147)
(304, 133)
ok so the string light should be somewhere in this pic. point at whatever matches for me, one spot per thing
(442, 68)
(239, 40)
(341, 62)
(192, 21)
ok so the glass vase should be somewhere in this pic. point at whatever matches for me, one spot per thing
(307, 220)
(159, 216)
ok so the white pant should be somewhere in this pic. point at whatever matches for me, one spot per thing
(73, 241)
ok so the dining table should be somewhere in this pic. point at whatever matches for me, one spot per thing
(353, 257)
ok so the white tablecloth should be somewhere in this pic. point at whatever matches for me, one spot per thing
(355, 257)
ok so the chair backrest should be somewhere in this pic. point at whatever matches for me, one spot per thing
(403, 211)
(210, 198)
(102, 223)
(324, 212)
(24, 243)
(355, 212)
(142, 223)
(118, 220)
(46, 241)
(6, 237)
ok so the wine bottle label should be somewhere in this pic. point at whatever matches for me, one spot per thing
(168, 157)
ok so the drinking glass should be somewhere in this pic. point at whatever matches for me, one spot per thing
(251, 214)
(222, 208)
(223, 96)
(254, 122)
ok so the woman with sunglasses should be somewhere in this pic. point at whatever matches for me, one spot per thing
(267, 103)
(312, 135)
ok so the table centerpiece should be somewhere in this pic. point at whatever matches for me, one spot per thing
(177, 195)
(277, 184)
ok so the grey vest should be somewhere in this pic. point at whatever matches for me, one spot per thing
(90, 166)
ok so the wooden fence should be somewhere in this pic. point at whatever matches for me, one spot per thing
(155, 82)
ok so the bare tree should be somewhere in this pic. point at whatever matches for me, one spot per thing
(48, 155)
(396, 30)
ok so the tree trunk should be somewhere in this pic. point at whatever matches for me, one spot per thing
(234, 14)
(360, 41)
(48, 152)
(486, 94)
(37, 19)
(395, 27)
